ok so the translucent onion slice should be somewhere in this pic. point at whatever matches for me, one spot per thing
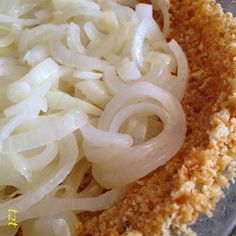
(162, 4)
(58, 100)
(13, 124)
(182, 76)
(69, 58)
(73, 39)
(57, 205)
(75, 178)
(68, 154)
(101, 138)
(87, 75)
(92, 32)
(11, 37)
(128, 70)
(95, 91)
(120, 166)
(8, 174)
(35, 102)
(24, 22)
(147, 29)
(77, 11)
(60, 4)
(37, 54)
(55, 130)
(113, 83)
(53, 224)
(28, 36)
(21, 89)
(144, 10)
(41, 160)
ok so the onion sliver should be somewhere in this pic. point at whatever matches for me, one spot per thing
(101, 138)
(68, 154)
(44, 135)
(120, 166)
(44, 158)
(57, 205)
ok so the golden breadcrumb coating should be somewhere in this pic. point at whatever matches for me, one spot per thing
(172, 197)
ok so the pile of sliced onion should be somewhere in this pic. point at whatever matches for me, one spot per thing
(87, 86)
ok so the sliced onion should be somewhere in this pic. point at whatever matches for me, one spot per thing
(114, 167)
(144, 10)
(72, 59)
(35, 102)
(36, 54)
(95, 91)
(73, 39)
(13, 124)
(87, 75)
(146, 29)
(57, 205)
(29, 35)
(112, 81)
(182, 62)
(162, 4)
(68, 154)
(77, 11)
(53, 224)
(92, 32)
(47, 134)
(11, 37)
(128, 70)
(100, 138)
(41, 160)
(75, 178)
(58, 100)
(24, 22)
(21, 89)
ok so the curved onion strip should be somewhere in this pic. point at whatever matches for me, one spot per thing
(147, 29)
(36, 55)
(117, 121)
(92, 32)
(101, 138)
(61, 4)
(24, 22)
(57, 205)
(28, 35)
(44, 158)
(46, 70)
(13, 124)
(11, 70)
(76, 11)
(182, 62)
(35, 102)
(8, 61)
(68, 154)
(75, 178)
(11, 37)
(53, 224)
(162, 4)
(112, 81)
(9, 176)
(137, 161)
(69, 58)
(73, 39)
(58, 100)
(47, 134)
